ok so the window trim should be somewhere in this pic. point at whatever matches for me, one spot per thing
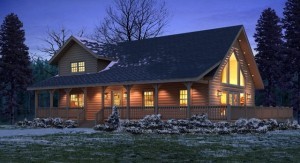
(78, 101)
(144, 99)
(181, 99)
(227, 65)
(78, 67)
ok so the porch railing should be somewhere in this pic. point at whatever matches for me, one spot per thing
(213, 112)
(77, 114)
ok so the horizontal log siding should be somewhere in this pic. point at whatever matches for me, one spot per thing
(215, 84)
(199, 94)
(75, 54)
(168, 94)
(136, 94)
(93, 102)
(62, 99)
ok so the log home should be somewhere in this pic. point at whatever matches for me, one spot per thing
(211, 71)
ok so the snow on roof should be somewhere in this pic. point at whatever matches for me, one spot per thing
(112, 63)
(86, 39)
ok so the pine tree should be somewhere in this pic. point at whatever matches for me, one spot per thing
(15, 72)
(268, 37)
(291, 24)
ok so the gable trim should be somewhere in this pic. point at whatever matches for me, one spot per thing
(257, 80)
(54, 60)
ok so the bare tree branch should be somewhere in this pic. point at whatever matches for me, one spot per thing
(56, 39)
(132, 20)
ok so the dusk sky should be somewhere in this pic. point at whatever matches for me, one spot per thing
(185, 16)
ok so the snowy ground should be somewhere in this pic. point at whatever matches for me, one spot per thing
(87, 145)
(43, 131)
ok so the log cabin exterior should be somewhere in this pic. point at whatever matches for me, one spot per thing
(211, 71)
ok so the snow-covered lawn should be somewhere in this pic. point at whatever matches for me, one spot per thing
(87, 145)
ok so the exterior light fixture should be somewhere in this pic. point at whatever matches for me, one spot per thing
(105, 95)
(248, 96)
(125, 95)
(219, 93)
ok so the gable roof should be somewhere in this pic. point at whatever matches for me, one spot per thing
(94, 48)
(174, 58)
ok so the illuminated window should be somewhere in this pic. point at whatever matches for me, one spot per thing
(81, 67)
(224, 74)
(74, 67)
(233, 70)
(224, 98)
(242, 80)
(77, 100)
(230, 73)
(77, 67)
(183, 97)
(148, 98)
(242, 99)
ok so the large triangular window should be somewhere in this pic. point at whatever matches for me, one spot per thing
(231, 74)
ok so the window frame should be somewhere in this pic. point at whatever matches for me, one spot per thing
(145, 98)
(77, 99)
(227, 69)
(239, 94)
(78, 66)
(183, 97)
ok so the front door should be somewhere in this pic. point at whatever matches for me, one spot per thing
(116, 100)
(233, 99)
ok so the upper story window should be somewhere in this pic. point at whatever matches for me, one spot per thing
(183, 97)
(231, 74)
(77, 67)
(77, 100)
(148, 98)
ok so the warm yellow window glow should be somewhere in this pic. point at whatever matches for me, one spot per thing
(233, 70)
(230, 73)
(148, 98)
(77, 100)
(117, 99)
(242, 80)
(74, 67)
(242, 99)
(224, 98)
(224, 74)
(78, 67)
(81, 67)
(183, 97)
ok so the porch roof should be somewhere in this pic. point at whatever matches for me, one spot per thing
(174, 58)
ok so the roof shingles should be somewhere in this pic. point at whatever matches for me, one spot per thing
(182, 56)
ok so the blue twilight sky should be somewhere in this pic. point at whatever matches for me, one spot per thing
(185, 16)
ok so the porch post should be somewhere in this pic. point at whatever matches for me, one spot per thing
(36, 102)
(84, 90)
(188, 87)
(67, 101)
(51, 92)
(156, 87)
(128, 87)
(85, 105)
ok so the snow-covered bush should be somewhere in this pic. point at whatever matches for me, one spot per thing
(199, 124)
(47, 123)
(112, 122)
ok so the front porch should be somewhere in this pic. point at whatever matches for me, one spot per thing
(171, 100)
(216, 113)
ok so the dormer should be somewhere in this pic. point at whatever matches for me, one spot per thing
(80, 56)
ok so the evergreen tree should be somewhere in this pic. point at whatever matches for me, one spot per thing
(15, 63)
(291, 24)
(268, 37)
